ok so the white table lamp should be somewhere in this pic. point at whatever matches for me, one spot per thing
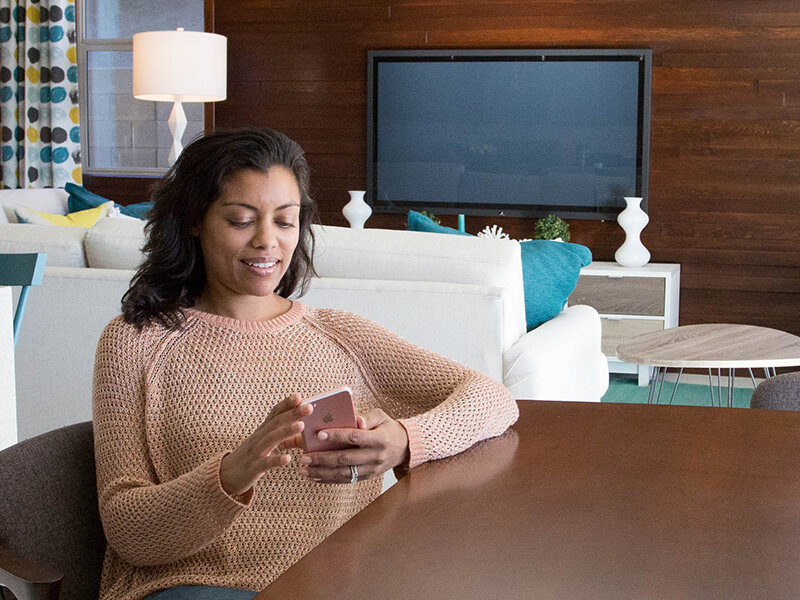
(179, 66)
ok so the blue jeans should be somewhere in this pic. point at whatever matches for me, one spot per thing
(201, 592)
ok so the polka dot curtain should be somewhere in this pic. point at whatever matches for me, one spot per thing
(39, 94)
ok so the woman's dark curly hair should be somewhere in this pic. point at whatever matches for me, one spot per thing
(173, 273)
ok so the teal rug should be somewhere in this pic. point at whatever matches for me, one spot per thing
(625, 389)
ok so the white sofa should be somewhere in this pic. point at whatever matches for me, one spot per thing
(8, 392)
(459, 296)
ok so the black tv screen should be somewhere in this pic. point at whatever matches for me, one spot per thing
(508, 132)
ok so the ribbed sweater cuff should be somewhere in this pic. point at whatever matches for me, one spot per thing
(416, 448)
(227, 507)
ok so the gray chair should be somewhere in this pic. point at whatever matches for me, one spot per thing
(51, 539)
(781, 392)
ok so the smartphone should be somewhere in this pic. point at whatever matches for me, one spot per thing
(332, 409)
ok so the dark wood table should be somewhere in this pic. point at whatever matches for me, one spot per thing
(582, 501)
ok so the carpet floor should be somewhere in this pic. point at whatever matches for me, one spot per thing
(625, 389)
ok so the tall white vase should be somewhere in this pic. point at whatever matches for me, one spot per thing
(633, 220)
(357, 211)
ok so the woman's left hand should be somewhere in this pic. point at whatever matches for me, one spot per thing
(381, 443)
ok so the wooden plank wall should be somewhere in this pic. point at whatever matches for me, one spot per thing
(725, 155)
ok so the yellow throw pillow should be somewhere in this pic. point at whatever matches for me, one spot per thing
(82, 218)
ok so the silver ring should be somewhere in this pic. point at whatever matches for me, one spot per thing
(353, 474)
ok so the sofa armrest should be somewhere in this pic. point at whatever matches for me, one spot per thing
(559, 360)
(63, 322)
(50, 200)
(28, 580)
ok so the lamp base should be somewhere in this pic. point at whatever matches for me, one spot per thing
(177, 125)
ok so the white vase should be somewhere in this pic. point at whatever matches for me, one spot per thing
(357, 211)
(633, 219)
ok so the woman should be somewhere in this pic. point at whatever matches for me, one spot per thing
(203, 484)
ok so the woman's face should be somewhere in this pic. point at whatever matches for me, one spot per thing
(249, 234)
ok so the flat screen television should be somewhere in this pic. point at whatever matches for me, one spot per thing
(517, 133)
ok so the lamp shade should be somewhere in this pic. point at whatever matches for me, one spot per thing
(189, 64)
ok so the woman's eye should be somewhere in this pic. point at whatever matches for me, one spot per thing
(240, 224)
(284, 224)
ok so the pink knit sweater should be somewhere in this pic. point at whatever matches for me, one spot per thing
(168, 405)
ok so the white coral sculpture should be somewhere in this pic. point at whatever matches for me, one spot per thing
(497, 233)
(493, 232)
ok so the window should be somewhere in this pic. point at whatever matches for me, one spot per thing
(122, 135)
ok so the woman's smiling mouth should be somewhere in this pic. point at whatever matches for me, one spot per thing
(261, 266)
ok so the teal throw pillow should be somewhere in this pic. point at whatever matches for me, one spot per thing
(550, 270)
(419, 222)
(139, 210)
(82, 199)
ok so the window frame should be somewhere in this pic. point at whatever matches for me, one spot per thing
(84, 47)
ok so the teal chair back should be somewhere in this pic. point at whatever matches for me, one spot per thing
(24, 270)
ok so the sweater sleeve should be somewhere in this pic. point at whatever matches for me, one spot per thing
(445, 407)
(147, 521)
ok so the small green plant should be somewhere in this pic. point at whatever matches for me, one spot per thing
(550, 228)
(432, 217)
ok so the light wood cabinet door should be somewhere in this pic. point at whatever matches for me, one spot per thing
(621, 295)
(617, 331)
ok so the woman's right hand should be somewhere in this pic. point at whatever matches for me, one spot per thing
(264, 449)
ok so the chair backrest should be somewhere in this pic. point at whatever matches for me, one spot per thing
(24, 270)
(48, 507)
(781, 392)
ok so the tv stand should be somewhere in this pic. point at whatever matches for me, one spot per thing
(631, 301)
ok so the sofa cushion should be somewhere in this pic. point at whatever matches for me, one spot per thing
(51, 200)
(82, 218)
(63, 245)
(550, 270)
(447, 307)
(390, 254)
(80, 199)
(115, 244)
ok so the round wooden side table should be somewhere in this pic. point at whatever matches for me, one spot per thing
(712, 346)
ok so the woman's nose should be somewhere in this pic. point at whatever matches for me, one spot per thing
(265, 236)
